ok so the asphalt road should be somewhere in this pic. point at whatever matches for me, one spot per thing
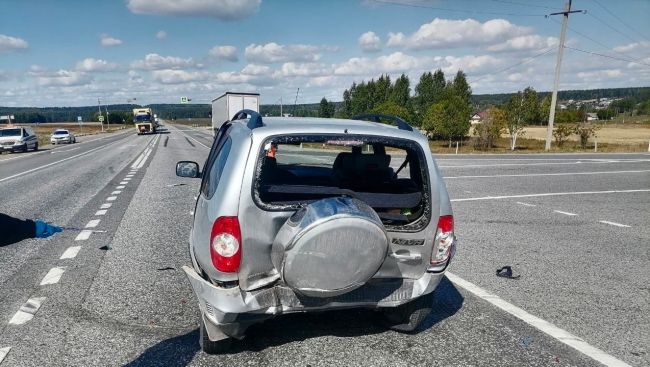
(574, 226)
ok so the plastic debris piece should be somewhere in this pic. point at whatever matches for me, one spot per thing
(506, 272)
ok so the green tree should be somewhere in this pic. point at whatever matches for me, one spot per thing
(448, 118)
(461, 88)
(383, 89)
(401, 92)
(430, 89)
(585, 131)
(347, 104)
(530, 106)
(491, 128)
(393, 109)
(562, 132)
(545, 109)
(326, 108)
(515, 117)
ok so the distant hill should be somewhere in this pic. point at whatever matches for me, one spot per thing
(171, 111)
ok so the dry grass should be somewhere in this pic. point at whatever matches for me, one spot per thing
(43, 131)
(193, 122)
(609, 133)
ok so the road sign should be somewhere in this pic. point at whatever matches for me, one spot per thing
(101, 118)
(79, 120)
(4, 117)
(13, 117)
(184, 99)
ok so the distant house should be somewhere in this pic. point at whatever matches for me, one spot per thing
(477, 118)
(592, 116)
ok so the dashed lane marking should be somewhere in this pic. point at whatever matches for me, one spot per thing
(120, 187)
(3, 353)
(27, 311)
(117, 192)
(544, 163)
(123, 182)
(101, 212)
(565, 213)
(53, 276)
(105, 206)
(111, 198)
(539, 324)
(550, 194)
(70, 252)
(83, 235)
(93, 223)
(525, 204)
(614, 224)
(127, 179)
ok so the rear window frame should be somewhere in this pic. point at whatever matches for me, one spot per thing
(416, 225)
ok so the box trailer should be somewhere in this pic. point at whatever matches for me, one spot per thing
(225, 106)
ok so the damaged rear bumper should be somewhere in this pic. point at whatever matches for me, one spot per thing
(227, 312)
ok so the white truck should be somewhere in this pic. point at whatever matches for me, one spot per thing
(229, 103)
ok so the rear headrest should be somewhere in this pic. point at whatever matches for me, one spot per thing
(371, 162)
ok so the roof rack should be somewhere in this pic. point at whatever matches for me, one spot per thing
(376, 117)
(254, 121)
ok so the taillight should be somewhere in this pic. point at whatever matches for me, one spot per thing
(225, 244)
(444, 240)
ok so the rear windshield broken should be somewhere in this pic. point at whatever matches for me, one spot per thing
(388, 174)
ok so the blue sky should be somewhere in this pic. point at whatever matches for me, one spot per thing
(69, 53)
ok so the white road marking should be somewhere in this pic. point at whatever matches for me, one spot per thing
(544, 163)
(83, 235)
(191, 212)
(123, 183)
(53, 276)
(70, 252)
(93, 223)
(127, 179)
(525, 204)
(119, 187)
(53, 163)
(539, 324)
(117, 192)
(614, 224)
(565, 213)
(105, 206)
(551, 174)
(129, 175)
(101, 212)
(3, 353)
(27, 311)
(111, 198)
(550, 194)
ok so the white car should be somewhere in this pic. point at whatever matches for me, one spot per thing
(62, 136)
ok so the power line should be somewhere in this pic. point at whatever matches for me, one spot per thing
(611, 27)
(456, 10)
(524, 61)
(620, 20)
(603, 55)
(523, 4)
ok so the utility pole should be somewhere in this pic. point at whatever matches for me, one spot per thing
(108, 121)
(99, 107)
(295, 102)
(281, 115)
(558, 65)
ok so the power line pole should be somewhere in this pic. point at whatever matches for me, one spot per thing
(558, 65)
(99, 107)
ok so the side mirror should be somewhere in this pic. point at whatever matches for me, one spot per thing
(187, 169)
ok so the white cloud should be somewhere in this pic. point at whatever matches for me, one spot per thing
(369, 42)
(224, 53)
(8, 43)
(457, 33)
(636, 46)
(600, 74)
(273, 53)
(470, 64)
(525, 43)
(61, 78)
(220, 9)
(395, 62)
(169, 76)
(291, 69)
(158, 62)
(108, 41)
(161, 35)
(253, 69)
(91, 64)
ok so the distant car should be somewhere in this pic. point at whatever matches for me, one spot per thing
(18, 139)
(300, 215)
(62, 136)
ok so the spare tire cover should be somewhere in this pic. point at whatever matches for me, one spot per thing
(330, 247)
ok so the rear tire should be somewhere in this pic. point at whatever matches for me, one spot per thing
(209, 346)
(409, 316)
(36, 147)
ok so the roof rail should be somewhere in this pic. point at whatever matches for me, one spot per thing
(376, 117)
(254, 121)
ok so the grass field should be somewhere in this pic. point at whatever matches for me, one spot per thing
(193, 122)
(43, 131)
(625, 134)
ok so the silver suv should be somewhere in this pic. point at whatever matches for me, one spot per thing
(305, 214)
(18, 139)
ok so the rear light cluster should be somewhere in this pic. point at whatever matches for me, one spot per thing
(443, 244)
(225, 244)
